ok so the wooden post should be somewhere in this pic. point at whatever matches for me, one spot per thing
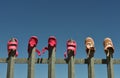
(10, 67)
(11, 62)
(110, 68)
(90, 50)
(51, 63)
(71, 69)
(31, 64)
(109, 50)
(91, 67)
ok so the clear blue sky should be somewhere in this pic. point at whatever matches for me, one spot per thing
(76, 19)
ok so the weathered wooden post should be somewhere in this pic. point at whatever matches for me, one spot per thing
(12, 53)
(52, 42)
(52, 50)
(71, 69)
(90, 49)
(71, 52)
(109, 50)
(31, 58)
(31, 64)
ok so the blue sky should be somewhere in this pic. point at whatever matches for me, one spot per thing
(76, 19)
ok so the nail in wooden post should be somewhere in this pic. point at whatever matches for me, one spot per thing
(31, 64)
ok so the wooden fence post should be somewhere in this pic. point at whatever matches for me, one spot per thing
(51, 62)
(10, 67)
(91, 67)
(11, 59)
(31, 64)
(109, 50)
(90, 50)
(110, 67)
(71, 69)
